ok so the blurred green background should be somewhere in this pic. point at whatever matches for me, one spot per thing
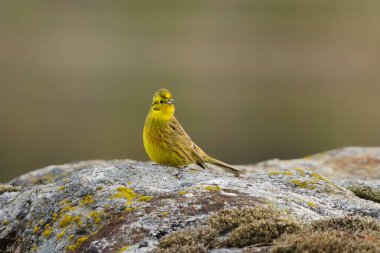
(252, 80)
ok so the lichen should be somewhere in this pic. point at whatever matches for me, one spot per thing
(124, 192)
(212, 188)
(36, 229)
(365, 192)
(66, 220)
(123, 249)
(145, 198)
(96, 217)
(181, 193)
(306, 184)
(276, 173)
(87, 200)
(5, 222)
(60, 235)
(300, 171)
(61, 188)
(47, 232)
(78, 243)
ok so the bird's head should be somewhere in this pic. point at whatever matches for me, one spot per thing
(163, 105)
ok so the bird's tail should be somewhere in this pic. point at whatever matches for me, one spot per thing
(225, 166)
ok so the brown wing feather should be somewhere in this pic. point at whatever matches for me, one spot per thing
(181, 140)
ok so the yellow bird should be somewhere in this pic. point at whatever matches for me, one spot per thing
(166, 142)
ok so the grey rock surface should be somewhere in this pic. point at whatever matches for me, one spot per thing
(127, 206)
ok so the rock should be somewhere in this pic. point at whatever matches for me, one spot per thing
(129, 206)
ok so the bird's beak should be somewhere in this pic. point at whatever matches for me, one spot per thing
(170, 102)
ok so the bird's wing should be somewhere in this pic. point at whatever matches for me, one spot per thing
(182, 141)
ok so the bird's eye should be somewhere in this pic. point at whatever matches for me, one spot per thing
(161, 101)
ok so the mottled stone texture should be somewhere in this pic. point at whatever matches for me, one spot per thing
(128, 206)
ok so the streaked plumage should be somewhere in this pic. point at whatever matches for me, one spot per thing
(166, 142)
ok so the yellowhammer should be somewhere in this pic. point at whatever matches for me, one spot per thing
(166, 142)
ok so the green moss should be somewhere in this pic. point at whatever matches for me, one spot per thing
(252, 225)
(327, 241)
(87, 200)
(66, 220)
(77, 244)
(47, 232)
(365, 192)
(350, 224)
(203, 235)
(239, 227)
(190, 248)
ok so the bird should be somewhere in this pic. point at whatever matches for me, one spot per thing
(167, 143)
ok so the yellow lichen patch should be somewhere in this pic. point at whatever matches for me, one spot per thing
(212, 188)
(61, 188)
(60, 235)
(99, 188)
(145, 198)
(311, 204)
(96, 217)
(124, 192)
(5, 222)
(71, 237)
(276, 173)
(87, 200)
(316, 176)
(300, 171)
(304, 184)
(77, 220)
(47, 232)
(164, 214)
(181, 193)
(78, 243)
(36, 229)
(66, 209)
(123, 249)
(128, 194)
(34, 248)
(66, 220)
(55, 217)
(130, 209)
